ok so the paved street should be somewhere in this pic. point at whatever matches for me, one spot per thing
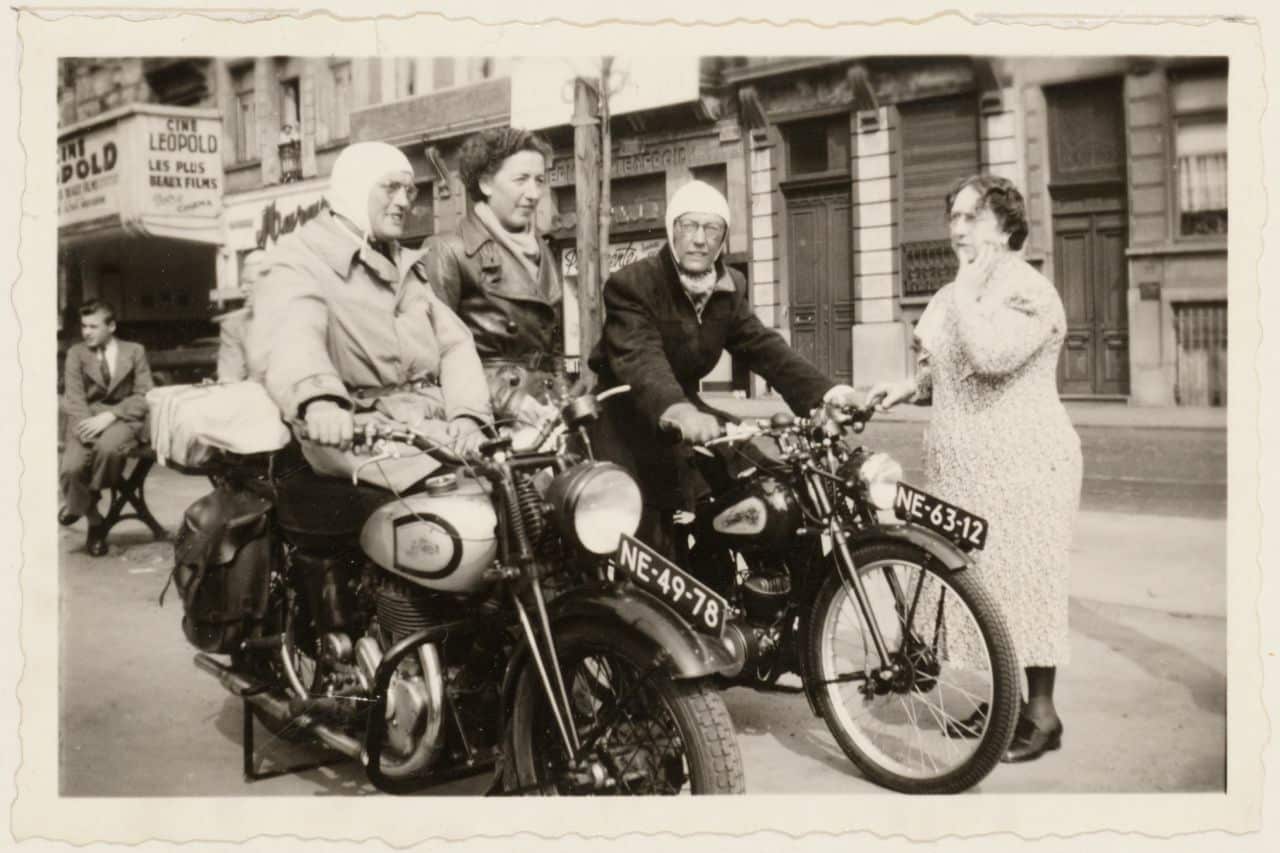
(1143, 699)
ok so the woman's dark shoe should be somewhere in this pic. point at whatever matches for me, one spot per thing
(1031, 741)
(971, 726)
(66, 517)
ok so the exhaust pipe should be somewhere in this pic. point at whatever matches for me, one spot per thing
(243, 688)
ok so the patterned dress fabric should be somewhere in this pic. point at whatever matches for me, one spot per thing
(1000, 444)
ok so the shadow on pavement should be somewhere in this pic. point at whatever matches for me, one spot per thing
(1162, 661)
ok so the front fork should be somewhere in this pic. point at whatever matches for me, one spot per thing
(849, 574)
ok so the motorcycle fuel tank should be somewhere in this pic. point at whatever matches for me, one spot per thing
(758, 515)
(443, 539)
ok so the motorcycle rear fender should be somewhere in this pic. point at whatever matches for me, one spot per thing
(638, 620)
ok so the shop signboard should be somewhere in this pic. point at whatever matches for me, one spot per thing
(89, 175)
(183, 171)
(620, 255)
(147, 170)
(258, 220)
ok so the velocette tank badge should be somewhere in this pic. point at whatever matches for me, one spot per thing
(426, 546)
(744, 518)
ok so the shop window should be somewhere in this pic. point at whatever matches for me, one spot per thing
(716, 175)
(1200, 329)
(290, 140)
(244, 114)
(818, 146)
(1200, 152)
(939, 143)
(336, 122)
(1086, 132)
(290, 110)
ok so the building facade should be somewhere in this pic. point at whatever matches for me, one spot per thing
(1123, 164)
(835, 170)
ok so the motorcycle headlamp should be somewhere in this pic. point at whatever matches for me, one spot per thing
(880, 474)
(594, 504)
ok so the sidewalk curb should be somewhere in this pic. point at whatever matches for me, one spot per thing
(1093, 415)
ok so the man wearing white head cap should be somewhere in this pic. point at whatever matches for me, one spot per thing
(346, 328)
(668, 319)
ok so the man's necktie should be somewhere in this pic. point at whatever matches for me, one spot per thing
(106, 368)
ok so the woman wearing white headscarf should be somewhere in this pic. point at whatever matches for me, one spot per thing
(668, 319)
(346, 328)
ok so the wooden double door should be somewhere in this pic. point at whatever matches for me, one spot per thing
(1090, 234)
(1091, 273)
(820, 266)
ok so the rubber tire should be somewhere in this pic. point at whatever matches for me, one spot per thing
(1004, 668)
(715, 763)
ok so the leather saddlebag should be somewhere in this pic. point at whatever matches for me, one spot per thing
(223, 558)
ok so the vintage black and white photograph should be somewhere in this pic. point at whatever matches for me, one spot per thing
(641, 425)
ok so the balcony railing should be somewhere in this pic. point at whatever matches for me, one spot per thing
(927, 265)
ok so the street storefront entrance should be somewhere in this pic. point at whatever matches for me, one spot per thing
(140, 224)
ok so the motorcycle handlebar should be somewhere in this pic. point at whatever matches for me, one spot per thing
(846, 417)
(404, 435)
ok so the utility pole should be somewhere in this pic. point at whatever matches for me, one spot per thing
(606, 167)
(586, 157)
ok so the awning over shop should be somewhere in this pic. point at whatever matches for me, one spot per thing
(144, 170)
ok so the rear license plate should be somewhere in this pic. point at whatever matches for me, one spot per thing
(964, 528)
(700, 605)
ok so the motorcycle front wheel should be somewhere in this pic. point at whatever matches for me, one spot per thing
(641, 732)
(916, 725)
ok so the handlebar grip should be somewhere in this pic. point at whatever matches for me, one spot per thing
(671, 432)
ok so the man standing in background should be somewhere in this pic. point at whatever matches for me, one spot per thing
(105, 400)
(232, 362)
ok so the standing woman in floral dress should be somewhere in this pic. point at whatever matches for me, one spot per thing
(999, 442)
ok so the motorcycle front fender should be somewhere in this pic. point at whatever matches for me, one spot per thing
(640, 622)
(939, 547)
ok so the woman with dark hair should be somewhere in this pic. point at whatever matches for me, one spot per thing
(999, 442)
(496, 272)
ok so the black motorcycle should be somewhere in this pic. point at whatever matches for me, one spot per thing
(830, 567)
(466, 625)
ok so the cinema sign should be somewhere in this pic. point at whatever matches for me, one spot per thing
(144, 170)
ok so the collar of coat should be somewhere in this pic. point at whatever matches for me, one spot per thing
(339, 248)
(724, 281)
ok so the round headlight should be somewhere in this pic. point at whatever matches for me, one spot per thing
(596, 503)
(880, 474)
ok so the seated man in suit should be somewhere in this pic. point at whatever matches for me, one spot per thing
(105, 400)
(232, 361)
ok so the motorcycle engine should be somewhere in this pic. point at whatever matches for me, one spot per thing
(415, 694)
(403, 607)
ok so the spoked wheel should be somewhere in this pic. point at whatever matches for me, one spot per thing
(641, 733)
(939, 717)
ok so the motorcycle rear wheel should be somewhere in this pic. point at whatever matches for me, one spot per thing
(907, 734)
(656, 735)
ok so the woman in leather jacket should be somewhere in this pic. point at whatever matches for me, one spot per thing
(498, 275)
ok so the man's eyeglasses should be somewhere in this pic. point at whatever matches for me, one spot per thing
(393, 187)
(713, 230)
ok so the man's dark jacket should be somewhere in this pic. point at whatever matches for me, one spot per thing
(654, 341)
